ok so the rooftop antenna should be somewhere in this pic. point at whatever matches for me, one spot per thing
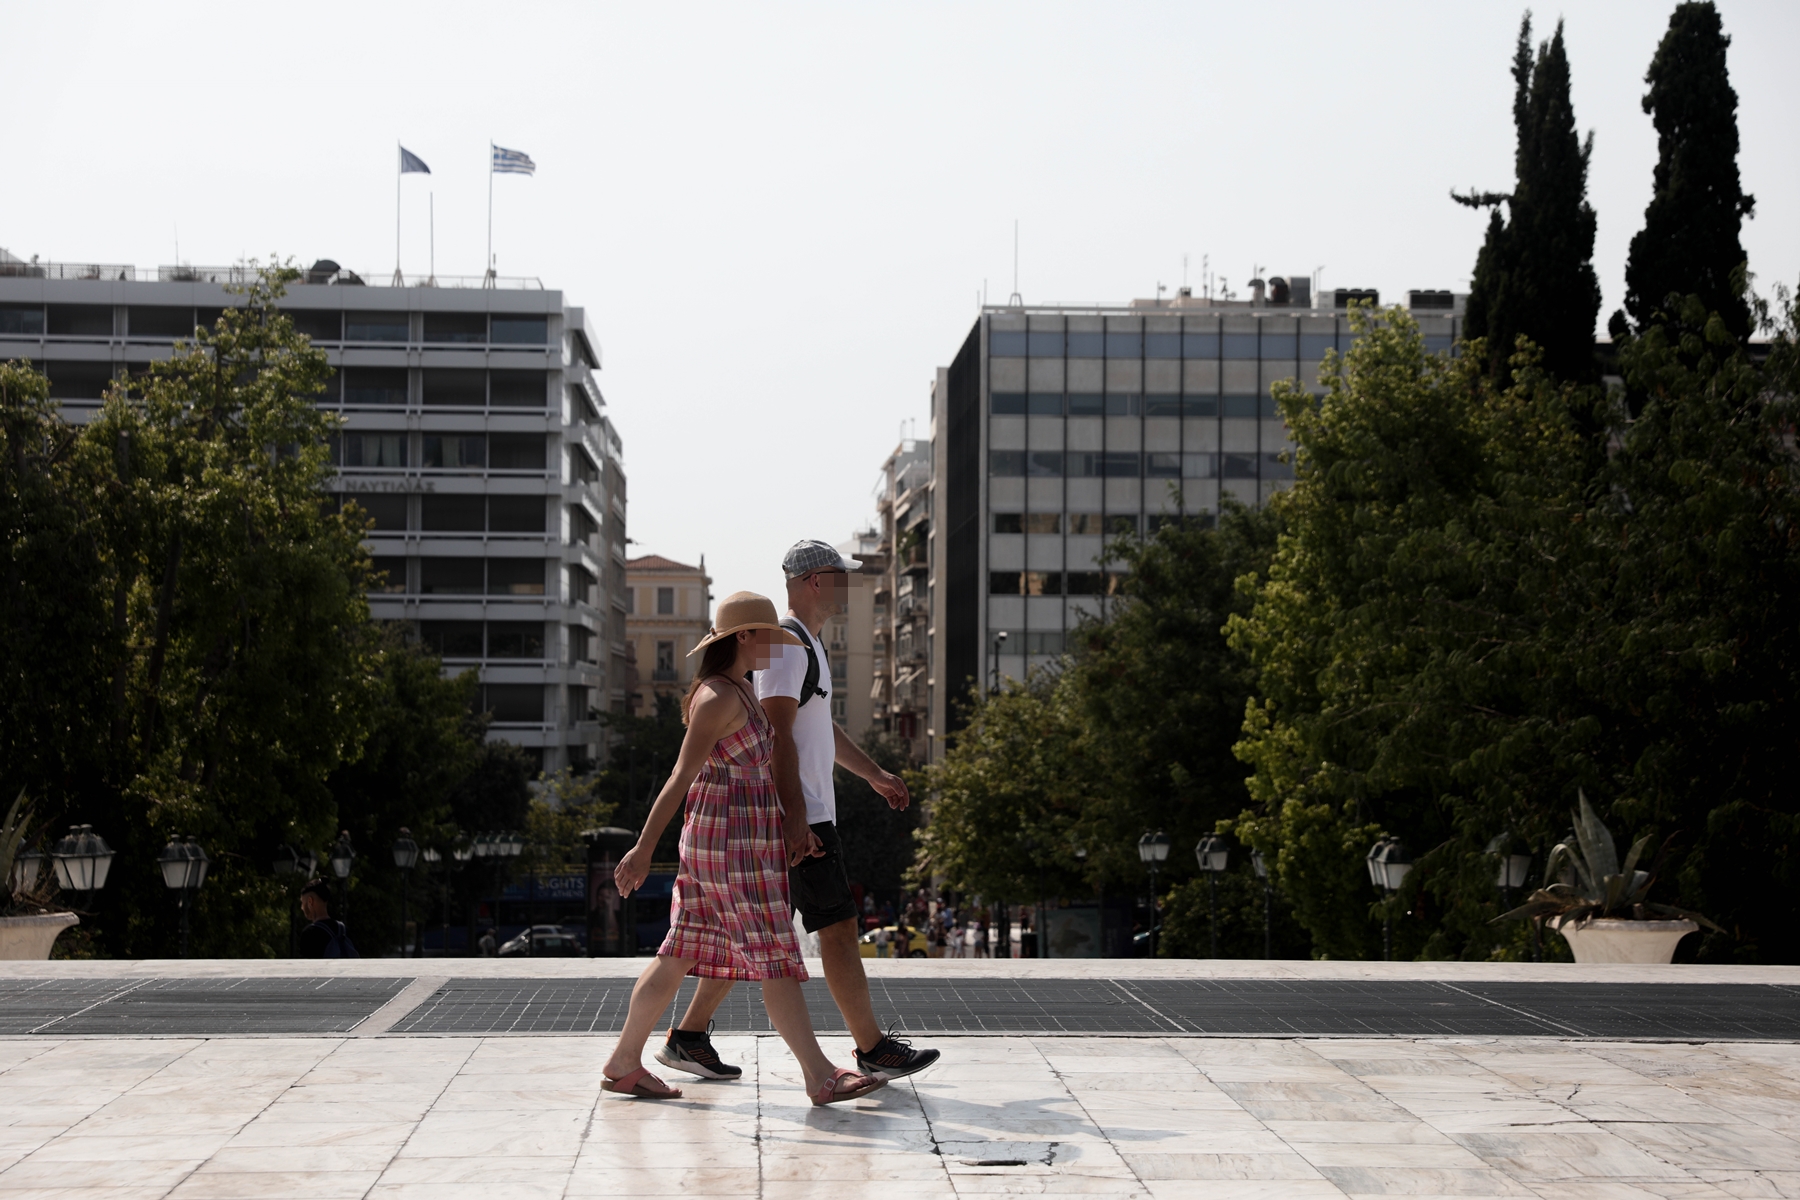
(1206, 275)
(1184, 279)
(1318, 278)
(1016, 301)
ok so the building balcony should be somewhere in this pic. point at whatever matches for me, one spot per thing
(664, 676)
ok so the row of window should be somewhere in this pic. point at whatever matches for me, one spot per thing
(353, 387)
(1076, 523)
(1036, 641)
(160, 322)
(1130, 464)
(1127, 404)
(1053, 583)
(484, 639)
(454, 514)
(464, 576)
(665, 601)
(1280, 341)
(447, 451)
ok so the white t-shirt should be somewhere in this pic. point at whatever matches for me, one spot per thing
(814, 736)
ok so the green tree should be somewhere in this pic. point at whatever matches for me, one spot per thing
(1534, 275)
(642, 754)
(877, 840)
(1689, 244)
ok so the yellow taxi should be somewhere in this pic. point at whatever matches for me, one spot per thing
(917, 948)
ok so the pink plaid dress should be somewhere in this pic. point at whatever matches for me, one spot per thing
(730, 910)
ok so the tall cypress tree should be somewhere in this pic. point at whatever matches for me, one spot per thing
(1535, 274)
(1689, 244)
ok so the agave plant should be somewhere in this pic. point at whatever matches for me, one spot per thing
(12, 833)
(1591, 882)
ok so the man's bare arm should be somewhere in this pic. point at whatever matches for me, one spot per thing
(801, 840)
(853, 759)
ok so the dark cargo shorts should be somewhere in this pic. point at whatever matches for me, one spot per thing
(819, 887)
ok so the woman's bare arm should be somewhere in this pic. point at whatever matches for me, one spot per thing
(716, 713)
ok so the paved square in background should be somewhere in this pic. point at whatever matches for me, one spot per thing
(501, 1117)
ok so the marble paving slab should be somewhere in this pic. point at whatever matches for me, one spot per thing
(500, 1117)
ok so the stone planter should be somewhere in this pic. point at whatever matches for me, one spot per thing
(1609, 940)
(31, 937)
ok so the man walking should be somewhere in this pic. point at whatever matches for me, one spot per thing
(795, 693)
(323, 936)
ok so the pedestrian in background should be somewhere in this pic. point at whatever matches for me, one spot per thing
(323, 936)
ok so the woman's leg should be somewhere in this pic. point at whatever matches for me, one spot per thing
(654, 989)
(787, 1012)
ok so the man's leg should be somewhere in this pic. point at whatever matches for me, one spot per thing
(707, 997)
(848, 982)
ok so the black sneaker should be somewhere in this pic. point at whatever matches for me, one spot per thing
(894, 1058)
(694, 1053)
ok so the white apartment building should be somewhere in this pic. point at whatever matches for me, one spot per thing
(475, 435)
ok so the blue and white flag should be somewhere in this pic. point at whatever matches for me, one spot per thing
(511, 162)
(412, 164)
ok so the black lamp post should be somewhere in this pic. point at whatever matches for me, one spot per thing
(999, 644)
(82, 860)
(406, 856)
(1212, 854)
(1261, 867)
(1388, 864)
(1512, 872)
(342, 858)
(183, 866)
(1153, 851)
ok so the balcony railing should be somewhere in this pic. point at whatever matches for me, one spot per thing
(38, 270)
(243, 273)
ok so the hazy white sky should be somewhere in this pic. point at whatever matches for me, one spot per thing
(780, 216)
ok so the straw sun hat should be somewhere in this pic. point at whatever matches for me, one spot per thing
(744, 610)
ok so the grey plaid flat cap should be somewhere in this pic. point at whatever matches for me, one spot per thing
(811, 555)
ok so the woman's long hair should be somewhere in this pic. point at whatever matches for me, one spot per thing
(716, 659)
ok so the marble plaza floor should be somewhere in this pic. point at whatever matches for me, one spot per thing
(379, 1112)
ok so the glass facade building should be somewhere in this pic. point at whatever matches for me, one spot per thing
(1060, 425)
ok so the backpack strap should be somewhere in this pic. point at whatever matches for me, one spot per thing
(810, 687)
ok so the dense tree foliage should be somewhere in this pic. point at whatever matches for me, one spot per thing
(1534, 276)
(1689, 244)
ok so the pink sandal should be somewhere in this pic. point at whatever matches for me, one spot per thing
(632, 1083)
(829, 1093)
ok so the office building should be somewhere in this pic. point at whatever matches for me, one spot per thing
(1055, 425)
(903, 672)
(668, 608)
(474, 434)
(855, 641)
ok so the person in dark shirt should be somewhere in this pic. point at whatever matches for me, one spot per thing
(323, 937)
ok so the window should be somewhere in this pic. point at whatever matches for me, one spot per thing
(78, 380)
(1162, 345)
(1237, 466)
(1200, 466)
(1199, 406)
(1005, 583)
(581, 584)
(383, 387)
(1124, 345)
(1122, 523)
(387, 574)
(1240, 345)
(451, 513)
(520, 331)
(581, 644)
(1087, 583)
(1162, 466)
(319, 324)
(1087, 345)
(1043, 522)
(515, 576)
(665, 662)
(452, 451)
(515, 639)
(1045, 404)
(387, 511)
(1006, 462)
(1086, 404)
(1044, 462)
(450, 576)
(517, 514)
(581, 467)
(1044, 642)
(1111, 464)
(375, 327)
(514, 703)
(516, 451)
(518, 389)
(1314, 345)
(1162, 406)
(1240, 406)
(17, 319)
(82, 320)
(1006, 344)
(374, 449)
(1200, 345)
(447, 388)
(460, 328)
(1007, 404)
(452, 639)
(145, 322)
(1043, 583)
(1009, 522)
(665, 601)
(1045, 343)
(579, 708)
(630, 601)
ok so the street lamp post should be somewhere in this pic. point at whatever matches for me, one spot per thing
(183, 866)
(1388, 864)
(1261, 867)
(1513, 869)
(27, 866)
(999, 644)
(1212, 854)
(406, 856)
(462, 852)
(82, 860)
(1153, 851)
(343, 857)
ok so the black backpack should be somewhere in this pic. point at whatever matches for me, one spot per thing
(810, 687)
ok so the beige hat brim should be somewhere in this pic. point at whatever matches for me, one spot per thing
(782, 636)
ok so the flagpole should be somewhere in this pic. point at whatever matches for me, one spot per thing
(397, 175)
(490, 247)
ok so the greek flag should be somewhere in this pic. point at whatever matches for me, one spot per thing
(412, 164)
(511, 162)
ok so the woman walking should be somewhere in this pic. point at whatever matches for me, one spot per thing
(730, 917)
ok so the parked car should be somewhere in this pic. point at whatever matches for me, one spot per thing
(917, 946)
(543, 941)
